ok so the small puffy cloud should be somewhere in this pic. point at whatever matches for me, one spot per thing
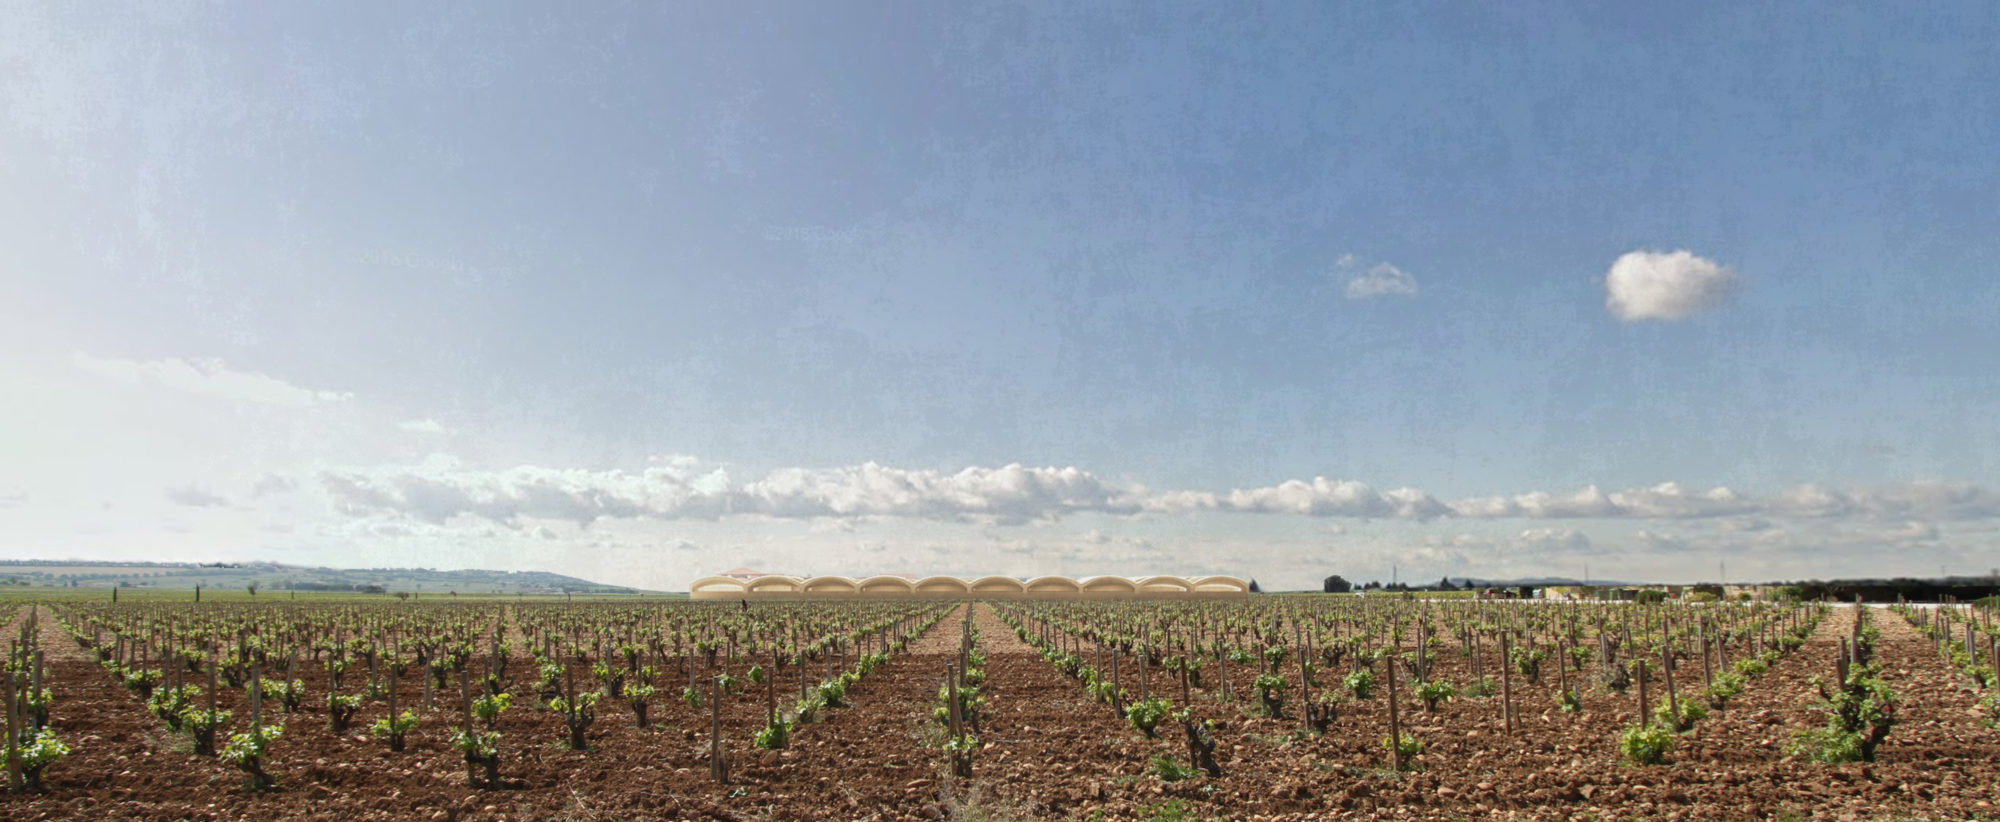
(1378, 280)
(1652, 285)
(208, 377)
(423, 426)
(193, 497)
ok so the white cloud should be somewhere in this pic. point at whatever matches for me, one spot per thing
(1652, 285)
(1009, 494)
(209, 377)
(830, 499)
(194, 497)
(1330, 498)
(439, 490)
(1379, 280)
(423, 426)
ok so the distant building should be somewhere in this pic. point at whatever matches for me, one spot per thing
(743, 583)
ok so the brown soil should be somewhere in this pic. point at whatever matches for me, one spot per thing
(1049, 752)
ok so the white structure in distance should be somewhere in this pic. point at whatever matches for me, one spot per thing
(745, 584)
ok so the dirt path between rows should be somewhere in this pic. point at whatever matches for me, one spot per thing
(1941, 735)
(55, 643)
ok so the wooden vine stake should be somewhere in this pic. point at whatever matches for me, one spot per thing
(718, 764)
(1639, 665)
(1395, 723)
(14, 781)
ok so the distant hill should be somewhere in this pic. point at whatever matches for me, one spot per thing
(271, 576)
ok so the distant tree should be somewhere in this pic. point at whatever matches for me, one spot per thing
(1444, 584)
(1255, 588)
(252, 587)
(403, 595)
(1337, 585)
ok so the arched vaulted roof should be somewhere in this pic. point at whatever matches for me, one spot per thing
(997, 585)
(942, 585)
(987, 587)
(829, 585)
(887, 584)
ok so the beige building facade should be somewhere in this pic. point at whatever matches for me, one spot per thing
(777, 586)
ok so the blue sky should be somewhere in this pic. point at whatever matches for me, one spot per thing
(504, 285)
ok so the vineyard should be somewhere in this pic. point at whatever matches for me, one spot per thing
(1268, 708)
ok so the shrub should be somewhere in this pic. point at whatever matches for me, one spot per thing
(1860, 713)
(142, 680)
(488, 708)
(1434, 692)
(776, 735)
(1146, 715)
(969, 704)
(1645, 744)
(1724, 686)
(578, 715)
(288, 693)
(833, 692)
(1360, 683)
(1679, 721)
(640, 697)
(1407, 747)
(1569, 701)
(35, 757)
(247, 751)
(1270, 693)
(395, 729)
(1528, 662)
(201, 724)
(1169, 769)
(171, 704)
(340, 710)
(482, 752)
